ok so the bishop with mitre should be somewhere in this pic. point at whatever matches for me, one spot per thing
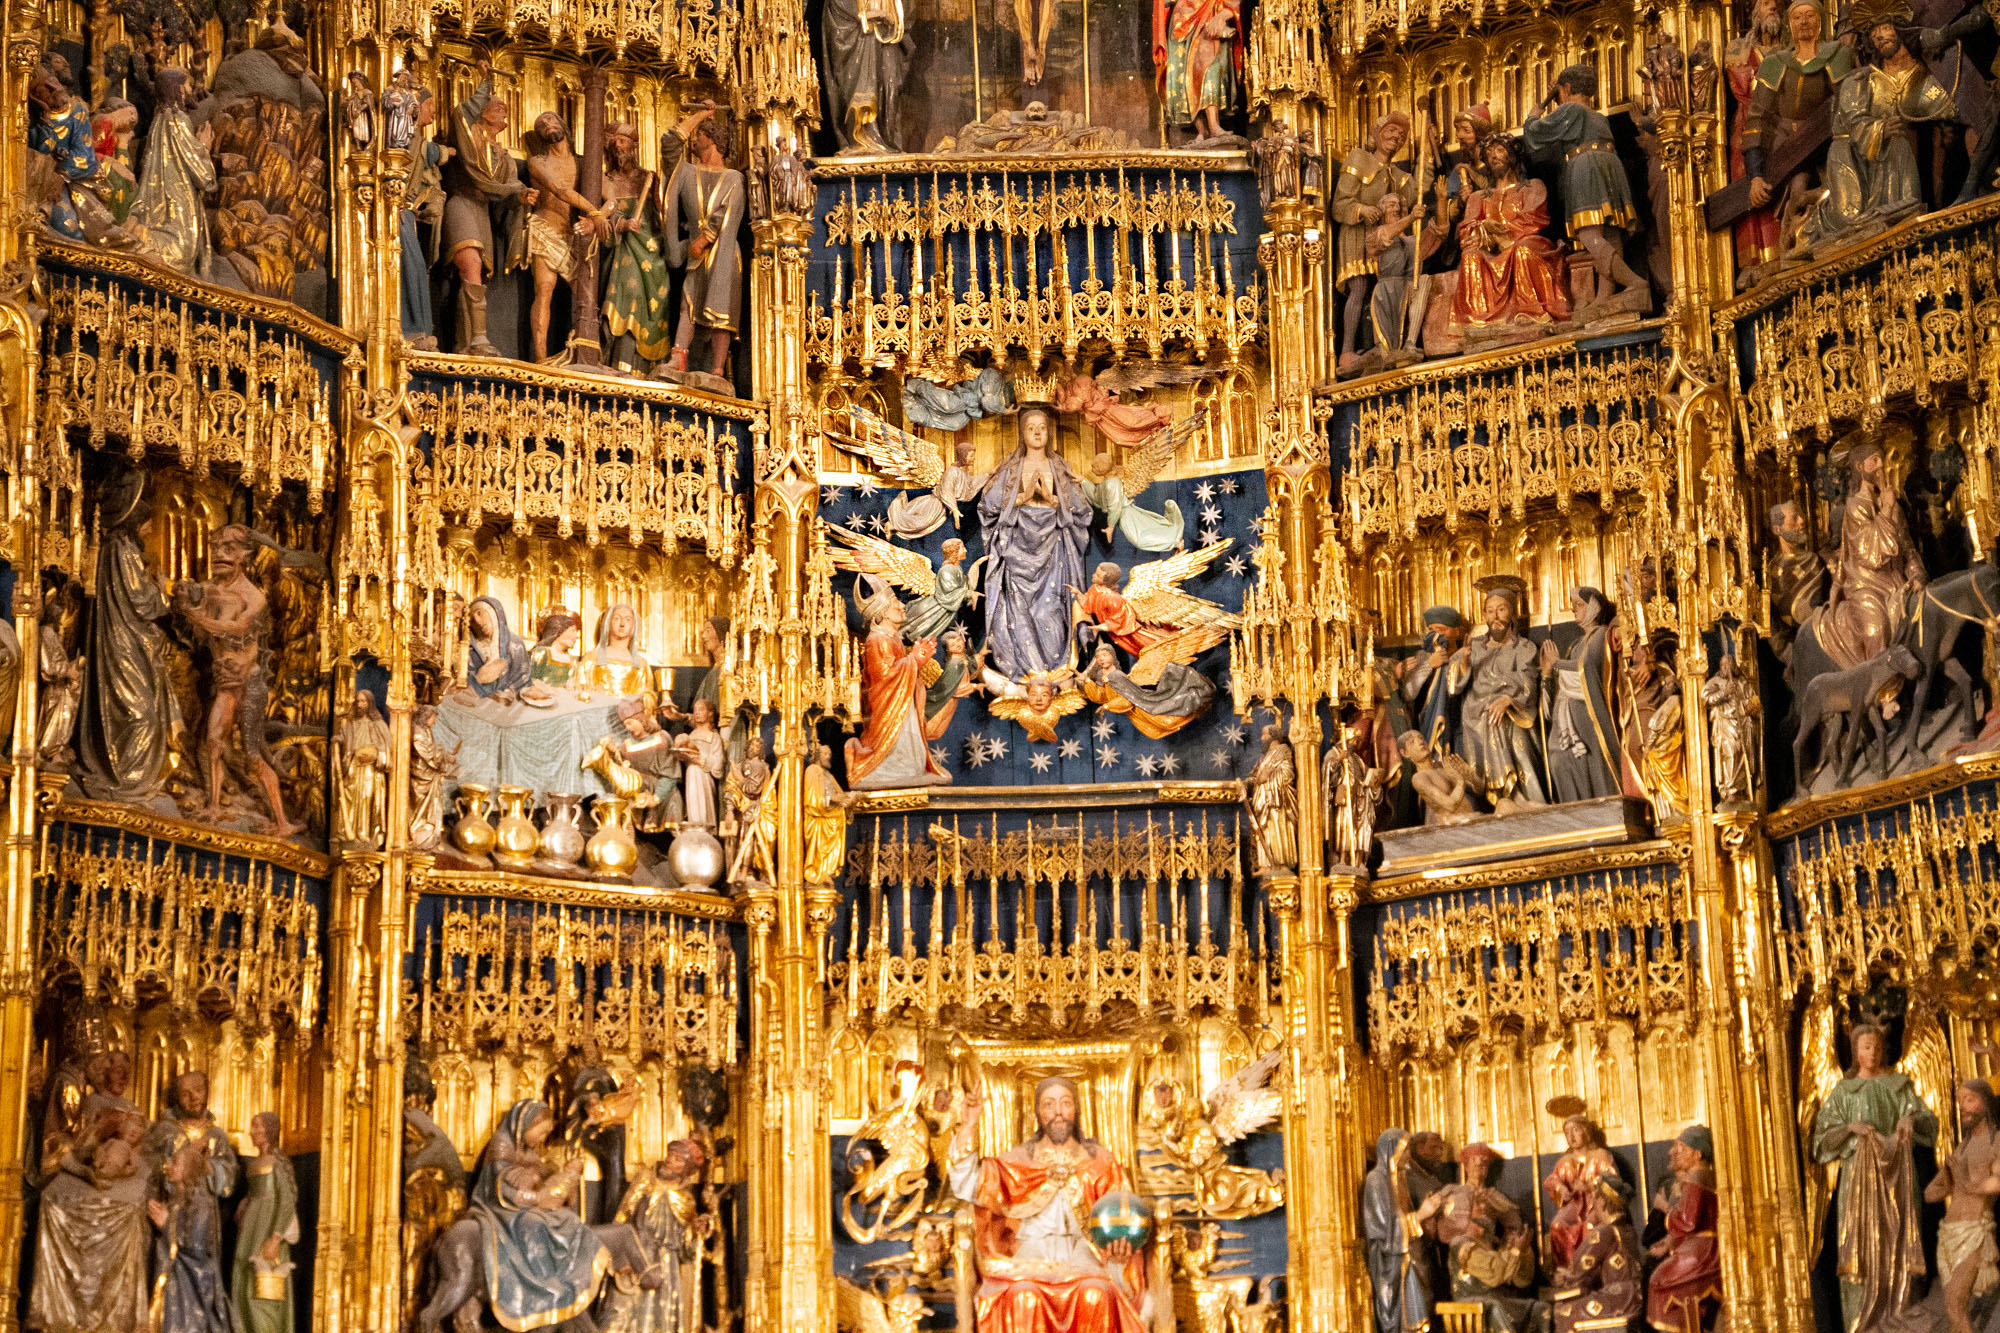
(1039, 1271)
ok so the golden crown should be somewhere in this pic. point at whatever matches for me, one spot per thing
(1032, 387)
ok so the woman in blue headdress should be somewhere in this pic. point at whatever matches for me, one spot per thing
(543, 1265)
(496, 658)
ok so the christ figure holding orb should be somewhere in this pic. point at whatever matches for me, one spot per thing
(1051, 1260)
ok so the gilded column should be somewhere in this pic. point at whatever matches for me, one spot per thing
(1742, 1043)
(790, 1246)
(25, 22)
(1323, 1154)
(358, 1277)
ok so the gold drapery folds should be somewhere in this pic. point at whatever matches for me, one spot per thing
(1170, 280)
(130, 920)
(539, 456)
(638, 983)
(1188, 946)
(1617, 945)
(150, 370)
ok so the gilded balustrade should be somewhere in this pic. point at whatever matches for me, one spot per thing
(594, 468)
(643, 984)
(931, 272)
(1914, 314)
(1490, 441)
(148, 369)
(1060, 920)
(127, 921)
(687, 37)
(1611, 946)
(1908, 897)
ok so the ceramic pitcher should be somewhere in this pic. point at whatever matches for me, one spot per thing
(562, 834)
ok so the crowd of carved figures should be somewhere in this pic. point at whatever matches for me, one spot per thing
(1436, 1237)
(556, 1220)
(131, 1210)
(221, 177)
(1440, 1238)
(1057, 567)
(1875, 611)
(225, 179)
(1093, 1239)
(1052, 637)
(184, 683)
(525, 726)
(1494, 722)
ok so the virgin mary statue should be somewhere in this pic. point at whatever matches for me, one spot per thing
(1036, 518)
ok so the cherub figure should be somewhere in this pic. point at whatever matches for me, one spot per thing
(1037, 703)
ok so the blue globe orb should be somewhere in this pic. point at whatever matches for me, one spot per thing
(1121, 1216)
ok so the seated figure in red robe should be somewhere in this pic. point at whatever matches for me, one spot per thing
(1039, 1272)
(1510, 279)
(1687, 1286)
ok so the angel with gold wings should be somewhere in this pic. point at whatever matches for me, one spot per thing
(1112, 486)
(909, 460)
(1151, 607)
(879, 567)
(1195, 1137)
(1144, 431)
(1037, 703)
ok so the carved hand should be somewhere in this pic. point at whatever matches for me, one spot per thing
(1118, 1251)
(1760, 192)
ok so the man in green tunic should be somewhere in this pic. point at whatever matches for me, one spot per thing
(636, 278)
(1596, 196)
(1869, 1123)
(267, 1226)
(706, 198)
